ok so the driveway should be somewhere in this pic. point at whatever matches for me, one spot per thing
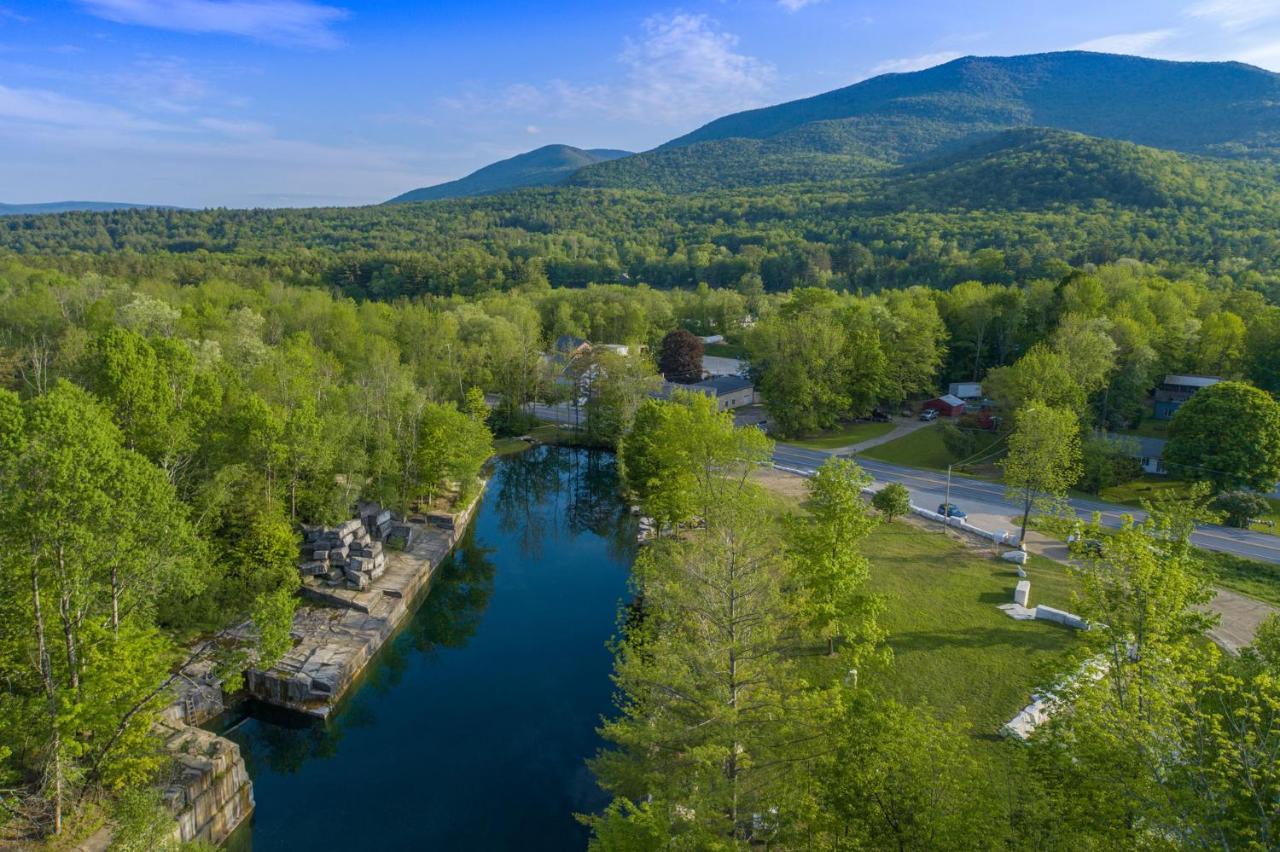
(902, 426)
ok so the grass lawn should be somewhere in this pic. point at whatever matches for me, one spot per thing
(1149, 427)
(921, 448)
(548, 433)
(952, 647)
(843, 436)
(1150, 487)
(925, 448)
(1259, 580)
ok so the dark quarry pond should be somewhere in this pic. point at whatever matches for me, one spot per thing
(470, 729)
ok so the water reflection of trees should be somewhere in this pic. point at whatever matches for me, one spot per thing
(283, 740)
(448, 618)
(538, 496)
(549, 491)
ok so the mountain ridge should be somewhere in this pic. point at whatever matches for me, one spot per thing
(545, 166)
(75, 207)
(1223, 109)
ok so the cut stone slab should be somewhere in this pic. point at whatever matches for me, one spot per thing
(1022, 592)
(1018, 612)
(336, 641)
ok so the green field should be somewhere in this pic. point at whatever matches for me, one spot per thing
(953, 649)
(843, 436)
(926, 448)
(921, 448)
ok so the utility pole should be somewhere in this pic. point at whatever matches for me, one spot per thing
(947, 502)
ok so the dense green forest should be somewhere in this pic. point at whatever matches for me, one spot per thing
(1026, 205)
(182, 418)
(182, 391)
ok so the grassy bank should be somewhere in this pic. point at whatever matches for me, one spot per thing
(843, 436)
(953, 648)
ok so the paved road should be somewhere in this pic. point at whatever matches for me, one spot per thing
(985, 501)
(979, 497)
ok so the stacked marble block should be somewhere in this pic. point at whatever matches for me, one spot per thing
(347, 555)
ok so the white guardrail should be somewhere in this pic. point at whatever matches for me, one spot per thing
(998, 536)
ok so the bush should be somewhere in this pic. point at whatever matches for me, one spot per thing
(892, 500)
(1241, 507)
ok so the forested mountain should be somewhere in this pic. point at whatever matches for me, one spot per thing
(545, 166)
(1015, 206)
(70, 206)
(1223, 109)
(1036, 168)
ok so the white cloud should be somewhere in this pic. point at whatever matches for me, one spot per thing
(289, 22)
(1265, 54)
(686, 67)
(682, 68)
(1131, 43)
(43, 108)
(797, 5)
(1236, 14)
(914, 63)
(41, 131)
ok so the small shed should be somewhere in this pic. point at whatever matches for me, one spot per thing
(946, 405)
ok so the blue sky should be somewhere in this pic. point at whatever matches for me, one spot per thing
(304, 102)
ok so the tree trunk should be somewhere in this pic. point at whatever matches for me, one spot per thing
(46, 675)
(1026, 513)
(115, 602)
(68, 628)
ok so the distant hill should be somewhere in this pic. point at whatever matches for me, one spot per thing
(545, 166)
(1221, 109)
(1036, 168)
(72, 206)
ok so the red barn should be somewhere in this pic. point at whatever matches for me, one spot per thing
(946, 405)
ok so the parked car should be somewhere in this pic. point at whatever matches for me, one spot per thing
(951, 510)
(929, 414)
(879, 416)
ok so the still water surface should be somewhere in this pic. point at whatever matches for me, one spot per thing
(470, 728)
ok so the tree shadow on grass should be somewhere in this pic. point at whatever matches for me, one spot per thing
(982, 637)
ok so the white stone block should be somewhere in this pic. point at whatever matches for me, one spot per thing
(1017, 557)
(1022, 592)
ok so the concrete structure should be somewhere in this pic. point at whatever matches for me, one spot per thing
(207, 788)
(335, 641)
(1022, 592)
(947, 405)
(968, 391)
(1175, 390)
(1048, 613)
